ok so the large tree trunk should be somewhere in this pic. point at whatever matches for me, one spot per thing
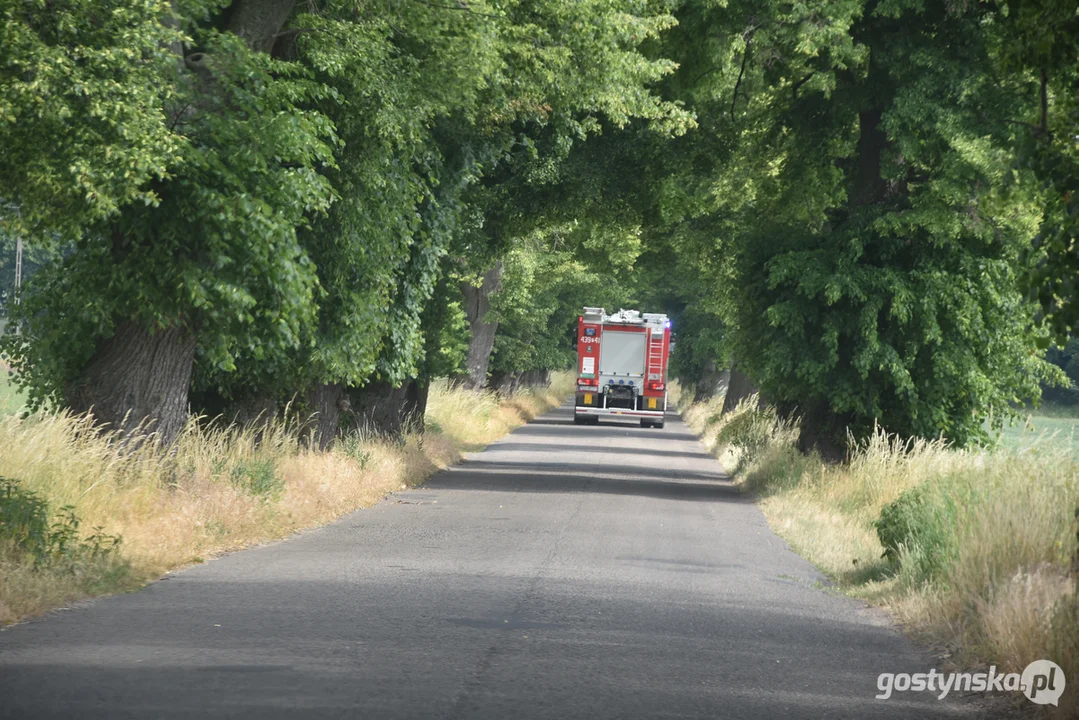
(536, 378)
(482, 340)
(138, 381)
(251, 407)
(415, 404)
(327, 401)
(739, 388)
(503, 382)
(379, 408)
(823, 430)
(869, 186)
(711, 382)
(255, 408)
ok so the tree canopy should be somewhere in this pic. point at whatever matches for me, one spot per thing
(864, 205)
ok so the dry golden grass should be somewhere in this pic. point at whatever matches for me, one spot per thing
(1002, 524)
(221, 488)
(473, 420)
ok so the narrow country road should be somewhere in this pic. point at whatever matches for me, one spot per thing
(565, 572)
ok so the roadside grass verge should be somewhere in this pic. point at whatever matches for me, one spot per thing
(216, 490)
(473, 420)
(974, 551)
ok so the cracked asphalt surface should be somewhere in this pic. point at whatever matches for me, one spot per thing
(565, 572)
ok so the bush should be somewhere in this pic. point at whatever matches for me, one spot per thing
(917, 530)
(24, 522)
(258, 477)
(748, 430)
(749, 439)
(355, 445)
(920, 529)
(24, 517)
(898, 520)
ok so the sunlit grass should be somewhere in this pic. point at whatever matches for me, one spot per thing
(474, 419)
(222, 488)
(1001, 523)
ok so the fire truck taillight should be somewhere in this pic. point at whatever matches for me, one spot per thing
(657, 386)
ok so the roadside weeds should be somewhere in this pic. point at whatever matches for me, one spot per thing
(219, 489)
(974, 552)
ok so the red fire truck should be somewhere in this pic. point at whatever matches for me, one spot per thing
(622, 366)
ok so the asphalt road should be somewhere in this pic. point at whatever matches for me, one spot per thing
(565, 572)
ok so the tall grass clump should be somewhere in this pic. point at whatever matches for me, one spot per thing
(44, 554)
(126, 514)
(473, 419)
(974, 550)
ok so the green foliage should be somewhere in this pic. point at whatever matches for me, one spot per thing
(699, 345)
(85, 89)
(855, 208)
(547, 279)
(916, 530)
(25, 522)
(258, 477)
(1033, 54)
(289, 204)
(353, 446)
(895, 526)
(406, 70)
(749, 431)
(482, 106)
(218, 253)
(869, 207)
(448, 360)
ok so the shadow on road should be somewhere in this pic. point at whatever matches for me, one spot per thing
(584, 447)
(614, 480)
(629, 472)
(596, 433)
(446, 605)
(301, 651)
(556, 456)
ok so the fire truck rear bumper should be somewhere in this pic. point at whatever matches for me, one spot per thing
(618, 411)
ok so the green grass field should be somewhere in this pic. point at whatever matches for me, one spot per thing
(11, 400)
(1050, 427)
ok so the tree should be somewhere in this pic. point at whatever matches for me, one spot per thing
(84, 92)
(848, 202)
(557, 77)
(550, 275)
(897, 303)
(404, 81)
(222, 248)
(213, 257)
(1032, 46)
